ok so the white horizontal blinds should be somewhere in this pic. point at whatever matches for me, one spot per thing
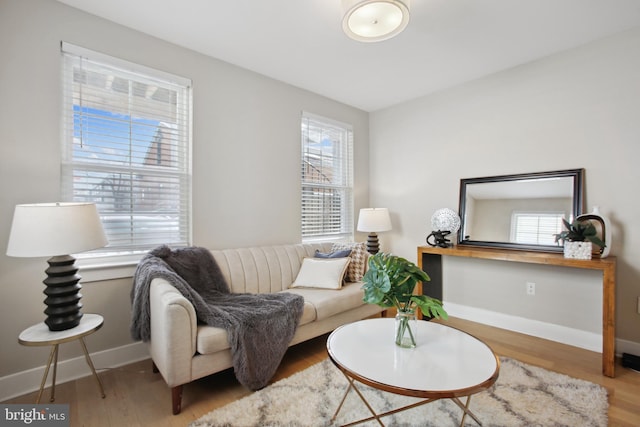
(327, 179)
(126, 147)
(535, 227)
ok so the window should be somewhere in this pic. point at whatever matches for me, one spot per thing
(126, 147)
(327, 179)
(535, 227)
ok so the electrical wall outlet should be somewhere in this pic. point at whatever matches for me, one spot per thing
(531, 288)
(638, 305)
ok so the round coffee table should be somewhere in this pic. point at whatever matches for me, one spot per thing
(446, 363)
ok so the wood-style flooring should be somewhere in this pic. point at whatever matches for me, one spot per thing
(138, 397)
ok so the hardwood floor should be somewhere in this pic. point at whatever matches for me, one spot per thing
(138, 397)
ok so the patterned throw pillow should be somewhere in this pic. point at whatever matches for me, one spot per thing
(359, 257)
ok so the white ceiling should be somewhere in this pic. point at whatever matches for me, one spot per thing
(300, 42)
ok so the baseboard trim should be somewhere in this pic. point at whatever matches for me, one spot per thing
(28, 381)
(624, 346)
(575, 337)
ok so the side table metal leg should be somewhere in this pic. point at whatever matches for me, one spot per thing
(90, 363)
(55, 372)
(54, 350)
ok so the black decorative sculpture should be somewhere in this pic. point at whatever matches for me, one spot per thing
(439, 239)
(445, 221)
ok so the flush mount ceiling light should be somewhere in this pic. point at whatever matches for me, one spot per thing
(374, 20)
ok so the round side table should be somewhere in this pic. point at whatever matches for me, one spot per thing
(40, 335)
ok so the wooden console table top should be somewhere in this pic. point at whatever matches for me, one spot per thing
(530, 257)
(606, 265)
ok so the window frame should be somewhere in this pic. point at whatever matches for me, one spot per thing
(343, 189)
(119, 257)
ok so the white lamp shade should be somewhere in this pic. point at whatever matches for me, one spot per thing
(374, 20)
(374, 220)
(53, 229)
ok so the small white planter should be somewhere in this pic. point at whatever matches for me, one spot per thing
(578, 250)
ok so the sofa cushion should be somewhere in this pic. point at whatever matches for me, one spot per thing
(325, 273)
(329, 302)
(359, 257)
(210, 339)
(309, 314)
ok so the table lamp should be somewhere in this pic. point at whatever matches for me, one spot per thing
(374, 220)
(56, 230)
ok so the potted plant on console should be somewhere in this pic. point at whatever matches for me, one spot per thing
(578, 239)
(390, 282)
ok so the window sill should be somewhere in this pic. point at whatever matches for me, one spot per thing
(93, 271)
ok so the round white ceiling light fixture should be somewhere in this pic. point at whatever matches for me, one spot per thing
(374, 20)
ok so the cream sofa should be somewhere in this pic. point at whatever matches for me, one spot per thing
(183, 350)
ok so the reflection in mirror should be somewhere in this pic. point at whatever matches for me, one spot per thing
(521, 211)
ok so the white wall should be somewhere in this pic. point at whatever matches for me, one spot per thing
(246, 151)
(577, 109)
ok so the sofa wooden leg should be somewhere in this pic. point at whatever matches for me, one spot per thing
(176, 399)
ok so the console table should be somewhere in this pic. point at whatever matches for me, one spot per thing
(430, 260)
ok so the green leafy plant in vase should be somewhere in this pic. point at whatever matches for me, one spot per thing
(390, 282)
(579, 231)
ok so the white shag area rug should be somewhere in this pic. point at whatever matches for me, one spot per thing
(523, 395)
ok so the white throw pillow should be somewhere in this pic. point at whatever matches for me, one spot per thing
(325, 273)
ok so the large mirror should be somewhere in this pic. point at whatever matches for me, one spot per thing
(521, 211)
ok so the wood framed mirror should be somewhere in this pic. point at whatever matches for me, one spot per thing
(520, 211)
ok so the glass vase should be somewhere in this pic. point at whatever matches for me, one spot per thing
(406, 329)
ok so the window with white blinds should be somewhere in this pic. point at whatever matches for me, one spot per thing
(126, 147)
(327, 179)
(536, 228)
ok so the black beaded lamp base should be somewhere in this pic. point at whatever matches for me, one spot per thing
(373, 245)
(63, 294)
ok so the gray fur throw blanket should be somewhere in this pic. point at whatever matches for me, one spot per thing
(259, 326)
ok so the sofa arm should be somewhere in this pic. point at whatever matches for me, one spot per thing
(173, 332)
